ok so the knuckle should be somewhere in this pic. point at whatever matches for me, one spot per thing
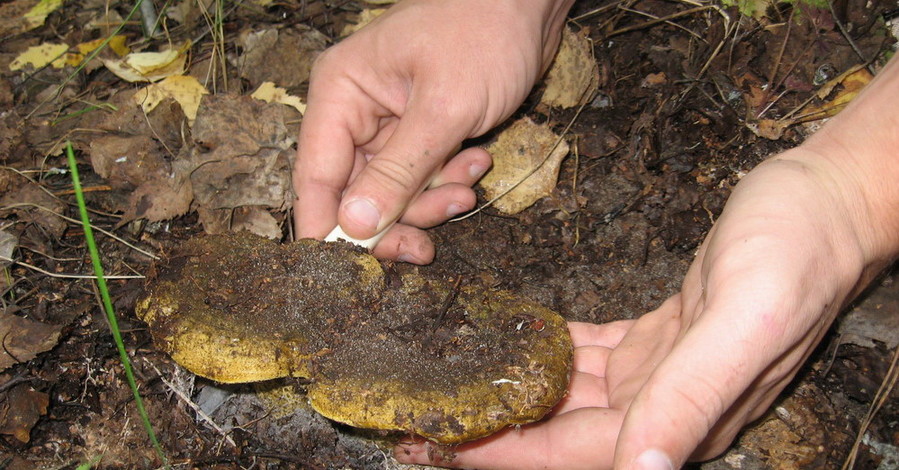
(395, 176)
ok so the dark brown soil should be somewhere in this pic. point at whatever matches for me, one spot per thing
(657, 152)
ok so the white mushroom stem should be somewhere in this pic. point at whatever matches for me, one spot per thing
(368, 243)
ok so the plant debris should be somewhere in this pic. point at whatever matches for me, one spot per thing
(526, 160)
(573, 78)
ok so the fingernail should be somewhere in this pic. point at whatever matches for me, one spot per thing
(477, 171)
(363, 213)
(653, 459)
(454, 209)
(406, 258)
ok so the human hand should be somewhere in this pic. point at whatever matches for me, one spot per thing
(390, 104)
(680, 382)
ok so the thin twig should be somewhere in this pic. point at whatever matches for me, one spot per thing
(186, 399)
(75, 221)
(64, 276)
(530, 173)
(656, 21)
(595, 12)
(883, 394)
(783, 47)
(848, 38)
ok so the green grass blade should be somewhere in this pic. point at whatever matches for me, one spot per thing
(107, 303)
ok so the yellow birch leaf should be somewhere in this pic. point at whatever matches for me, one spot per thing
(41, 55)
(149, 66)
(526, 158)
(149, 62)
(852, 81)
(269, 93)
(116, 44)
(184, 89)
(573, 78)
(38, 14)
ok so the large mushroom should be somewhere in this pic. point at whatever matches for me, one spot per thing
(443, 359)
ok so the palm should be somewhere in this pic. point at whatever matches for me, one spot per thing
(690, 374)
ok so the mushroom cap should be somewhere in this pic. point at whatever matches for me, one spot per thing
(240, 308)
(428, 356)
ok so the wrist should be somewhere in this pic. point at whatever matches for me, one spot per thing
(859, 149)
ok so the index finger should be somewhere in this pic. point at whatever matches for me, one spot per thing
(322, 168)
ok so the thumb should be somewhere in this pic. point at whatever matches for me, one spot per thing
(693, 390)
(381, 192)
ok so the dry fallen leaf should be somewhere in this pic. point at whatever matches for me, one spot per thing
(12, 17)
(270, 93)
(31, 204)
(24, 339)
(104, 20)
(573, 78)
(523, 149)
(184, 89)
(37, 15)
(138, 150)
(188, 11)
(234, 156)
(654, 79)
(8, 245)
(21, 409)
(243, 156)
(160, 200)
(149, 66)
(19, 16)
(116, 44)
(851, 82)
(282, 56)
(40, 56)
(254, 219)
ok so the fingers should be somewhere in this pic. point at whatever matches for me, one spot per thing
(703, 376)
(578, 439)
(397, 173)
(466, 167)
(591, 360)
(321, 170)
(450, 192)
(338, 119)
(407, 244)
(435, 206)
(585, 390)
(607, 335)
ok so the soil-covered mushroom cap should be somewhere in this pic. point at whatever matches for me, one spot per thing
(239, 308)
(451, 361)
